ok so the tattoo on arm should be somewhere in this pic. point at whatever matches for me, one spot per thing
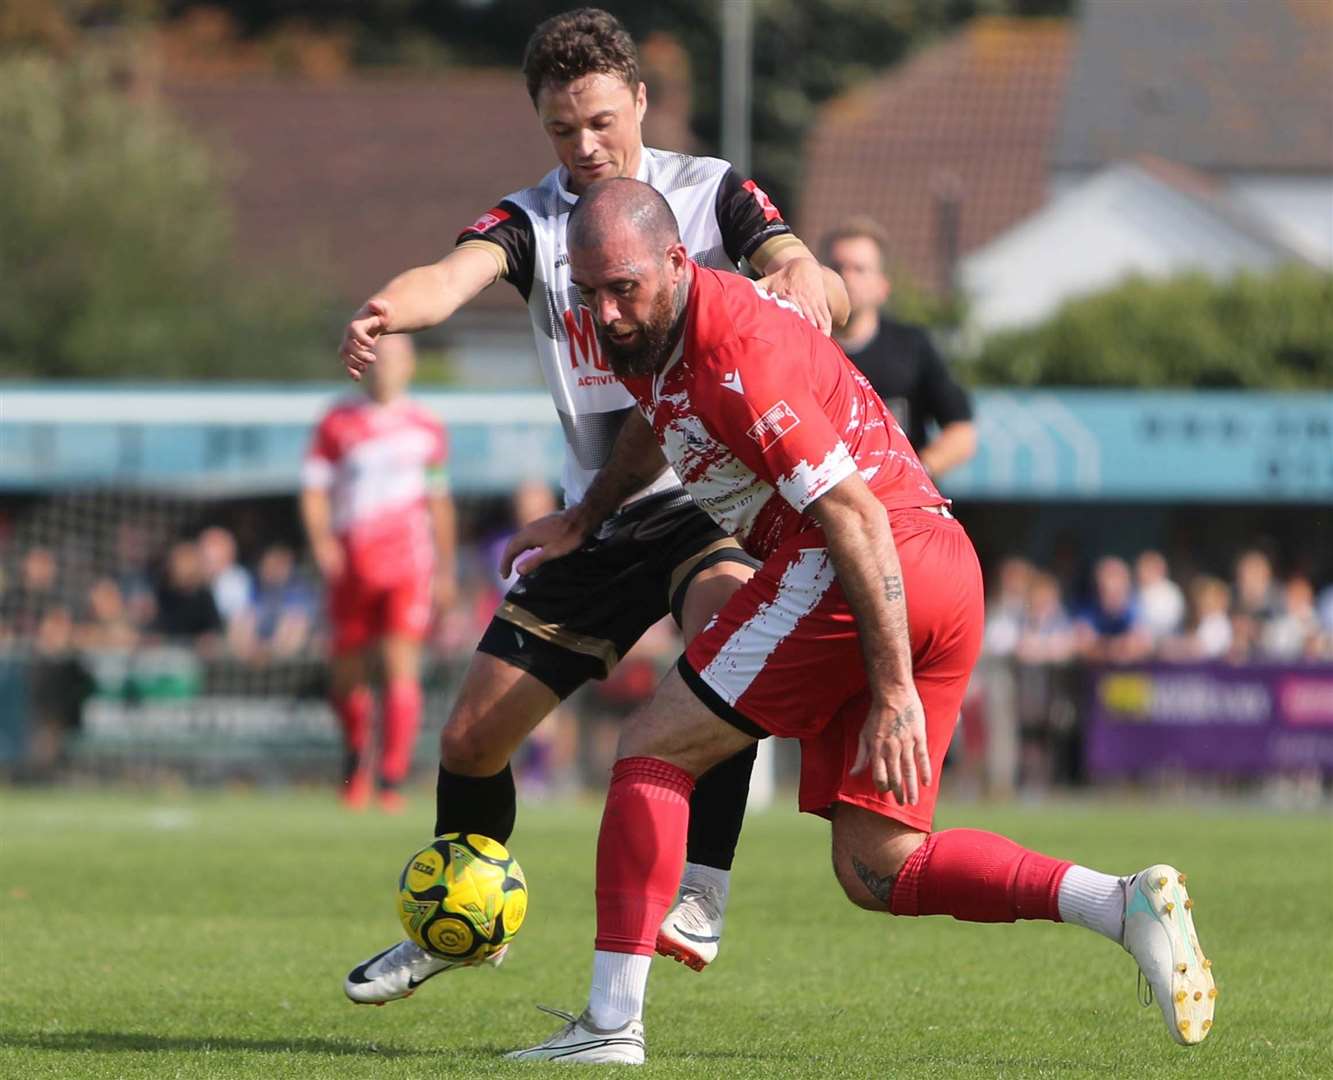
(893, 587)
(881, 888)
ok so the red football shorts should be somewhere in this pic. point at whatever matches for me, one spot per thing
(783, 657)
(362, 613)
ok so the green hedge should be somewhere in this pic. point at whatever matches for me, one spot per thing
(1272, 332)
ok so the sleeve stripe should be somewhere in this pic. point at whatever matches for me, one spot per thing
(768, 249)
(316, 473)
(495, 251)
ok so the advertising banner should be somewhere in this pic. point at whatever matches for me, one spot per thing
(1211, 718)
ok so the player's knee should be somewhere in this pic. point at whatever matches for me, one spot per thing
(640, 737)
(867, 887)
(869, 851)
(465, 747)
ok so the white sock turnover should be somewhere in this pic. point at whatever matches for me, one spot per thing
(619, 981)
(1094, 900)
(709, 878)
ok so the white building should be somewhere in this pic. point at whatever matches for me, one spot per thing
(1194, 136)
(1146, 218)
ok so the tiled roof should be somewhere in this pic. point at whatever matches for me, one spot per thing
(1223, 85)
(973, 115)
(365, 177)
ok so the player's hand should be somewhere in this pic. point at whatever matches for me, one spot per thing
(542, 540)
(801, 282)
(893, 744)
(358, 347)
(329, 558)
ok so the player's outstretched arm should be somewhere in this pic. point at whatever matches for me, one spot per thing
(794, 274)
(316, 515)
(860, 543)
(416, 299)
(444, 526)
(636, 461)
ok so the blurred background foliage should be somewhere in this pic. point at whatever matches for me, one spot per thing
(805, 51)
(1271, 332)
(116, 245)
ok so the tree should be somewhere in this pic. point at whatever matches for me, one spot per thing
(1272, 332)
(115, 245)
(805, 51)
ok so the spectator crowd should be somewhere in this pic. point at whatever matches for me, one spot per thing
(1138, 612)
(141, 583)
(195, 590)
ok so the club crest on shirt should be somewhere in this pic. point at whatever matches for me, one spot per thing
(771, 212)
(488, 220)
(774, 424)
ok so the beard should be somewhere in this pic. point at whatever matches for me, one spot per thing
(657, 336)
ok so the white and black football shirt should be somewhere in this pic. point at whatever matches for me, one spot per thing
(723, 219)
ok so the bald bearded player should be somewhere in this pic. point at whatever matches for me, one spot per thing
(857, 634)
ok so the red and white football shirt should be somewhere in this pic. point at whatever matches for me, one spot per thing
(378, 463)
(760, 414)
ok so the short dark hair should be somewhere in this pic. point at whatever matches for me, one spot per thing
(858, 228)
(586, 41)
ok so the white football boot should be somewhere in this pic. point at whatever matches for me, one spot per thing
(398, 971)
(1159, 934)
(580, 1042)
(692, 929)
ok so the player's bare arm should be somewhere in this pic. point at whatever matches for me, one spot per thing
(316, 513)
(791, 272)
(860, 543)
(955, 444)
(419, 298)
(443, 519)
(636, 461)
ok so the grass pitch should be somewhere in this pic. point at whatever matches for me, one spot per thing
(189, 935)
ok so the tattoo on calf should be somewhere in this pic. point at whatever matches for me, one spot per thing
(881, 888)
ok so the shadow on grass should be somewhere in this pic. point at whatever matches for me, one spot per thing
(139, 1042)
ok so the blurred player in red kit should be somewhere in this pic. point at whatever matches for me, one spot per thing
(376, 506)
(857, 635)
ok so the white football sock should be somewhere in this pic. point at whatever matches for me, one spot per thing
(1096, 901)
(708, 878)
(619, 981)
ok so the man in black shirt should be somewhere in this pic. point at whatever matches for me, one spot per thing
(898, 359)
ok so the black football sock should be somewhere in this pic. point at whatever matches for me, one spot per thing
(717, 809)
(485, 805)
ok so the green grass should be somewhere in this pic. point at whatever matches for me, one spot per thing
(183, 936)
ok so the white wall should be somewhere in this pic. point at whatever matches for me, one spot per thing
(1298, 208)
(1118, 223)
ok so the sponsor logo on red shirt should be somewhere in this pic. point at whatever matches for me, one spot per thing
(765, 203)
(774, 424)
(488, 220)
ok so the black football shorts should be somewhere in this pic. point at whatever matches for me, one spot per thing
(573, 618)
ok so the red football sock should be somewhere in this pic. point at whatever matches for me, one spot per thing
(354, 711)
(640, 852)
(402, 719)
(978, 876)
